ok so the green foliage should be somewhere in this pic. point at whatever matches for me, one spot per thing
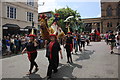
(50, 21)
(63, 14)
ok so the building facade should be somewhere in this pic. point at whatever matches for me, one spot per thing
(110, 18)
(92, 24)
(16, 16)
(0, 21)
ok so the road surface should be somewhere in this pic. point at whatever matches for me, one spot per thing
(95, 62)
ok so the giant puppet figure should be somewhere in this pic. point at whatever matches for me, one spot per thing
(55, 29)
(44, 27)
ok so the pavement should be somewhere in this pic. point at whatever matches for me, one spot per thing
(95, 62)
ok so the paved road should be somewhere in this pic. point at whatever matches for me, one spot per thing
(95, 62)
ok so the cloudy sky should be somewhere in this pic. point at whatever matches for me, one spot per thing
(86, 8)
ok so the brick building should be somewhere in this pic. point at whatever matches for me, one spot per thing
(109, 20)
(92, 23)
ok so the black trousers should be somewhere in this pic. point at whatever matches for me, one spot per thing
(53, 65)
(32, 61)
(12, 47)
(68, 53)
(82, 43)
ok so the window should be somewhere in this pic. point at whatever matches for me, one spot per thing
(118, 10)
(30, 2)
(109, 11)
(109, 24)
(29, 16)
(11, 12)
(118, 24)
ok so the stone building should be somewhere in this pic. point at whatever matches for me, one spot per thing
(110, 18)
(16, 17)
(92, 23)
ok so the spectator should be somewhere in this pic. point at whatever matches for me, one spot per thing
(8, 44)
(118, 41)
(75, 43)
(12, 48)
(17, 44)
(112, 41)
(4, 46)
(83, 40)
(0, 47)
(23, 42)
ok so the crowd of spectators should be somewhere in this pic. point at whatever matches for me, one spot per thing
(14, 44)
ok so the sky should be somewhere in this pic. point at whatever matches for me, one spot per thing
(86, 8)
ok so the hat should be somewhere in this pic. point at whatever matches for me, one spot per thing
(52, 35)
(43, 16)
(69, 32)
(32, 33)
(57, 14)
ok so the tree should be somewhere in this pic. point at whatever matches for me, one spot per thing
(65, 13)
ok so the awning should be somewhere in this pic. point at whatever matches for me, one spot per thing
(29, 27)
(23, 29)
(6, 26)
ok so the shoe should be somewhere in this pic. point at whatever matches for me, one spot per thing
(68, 61)
(76, 52)
(111, 52)
(80, 50)
(71, 61)
(36, 69)
(55, 71)
(48, 77)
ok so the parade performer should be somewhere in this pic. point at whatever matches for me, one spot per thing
(69, 46)
(75, 42)
(44, 27)
(112, 41)
(55, 28)
(31, 49)
(87, 39)
(118, 42)
(52, 53)
(106, 38)
(83, 40)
